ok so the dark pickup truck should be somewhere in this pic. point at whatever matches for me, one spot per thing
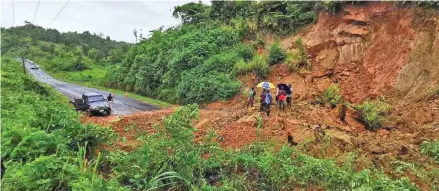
(92, 103)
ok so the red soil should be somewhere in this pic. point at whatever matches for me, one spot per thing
(372, 51)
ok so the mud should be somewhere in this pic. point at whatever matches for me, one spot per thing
(376, 49)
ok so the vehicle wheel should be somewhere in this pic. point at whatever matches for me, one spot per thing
(108, 111)
(88, 113)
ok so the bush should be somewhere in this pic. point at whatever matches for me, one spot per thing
(332, 95)
(258, 43)
(241, 67)
(260, 66)
(45, 173)
(276, 54)
(297, 58)
(373, 113)
(40, 137)
(245, 51)
(197, 87)
(431, 149)
(331, 6)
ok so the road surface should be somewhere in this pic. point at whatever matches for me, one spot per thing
(121, 104)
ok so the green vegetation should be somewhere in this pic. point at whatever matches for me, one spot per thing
(41, 137)
(373, 113)
(258, 65)
(80, 58)
(72, 56)
(424, 4)
(44, 147)
(183, 166)
(431, 149)
(208, 45)
(333, 95)
(298, 58)
(276, 54)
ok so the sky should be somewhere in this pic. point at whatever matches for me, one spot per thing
(116, 19)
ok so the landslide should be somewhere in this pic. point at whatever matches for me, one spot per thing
(370, 50)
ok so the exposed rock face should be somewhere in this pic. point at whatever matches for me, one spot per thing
(377, 48)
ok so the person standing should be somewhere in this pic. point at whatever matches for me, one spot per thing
(251, 97)
(289, 95)
(268, 99)
(110, 100)
(282, 100)
(262, 107)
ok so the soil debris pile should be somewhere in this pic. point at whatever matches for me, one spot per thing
(372, 50)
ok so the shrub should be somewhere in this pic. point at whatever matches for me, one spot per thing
(372, 113)
(293, 60)
(297, 58)
(332, 95)
(276, 54)
(45, 173)
(260, 66)
(242, 67)
(245, 51)
(258, 43)
(40, 136)
(431, 149)
(331, 6)
(198, 87)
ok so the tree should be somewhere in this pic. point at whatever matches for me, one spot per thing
(141, 35)
(116, 55)
(191, 12)
(94, 54)
(135, 34)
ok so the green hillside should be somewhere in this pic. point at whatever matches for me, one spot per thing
(44, 147)
(72, 56)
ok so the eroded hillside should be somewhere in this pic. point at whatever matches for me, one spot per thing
(374, 50)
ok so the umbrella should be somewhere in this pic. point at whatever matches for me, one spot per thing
(266, 85)
(284, 87)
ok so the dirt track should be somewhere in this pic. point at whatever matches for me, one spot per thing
(121, 105)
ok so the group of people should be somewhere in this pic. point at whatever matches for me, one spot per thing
(284, 94)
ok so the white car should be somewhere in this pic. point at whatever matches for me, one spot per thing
(35, 67)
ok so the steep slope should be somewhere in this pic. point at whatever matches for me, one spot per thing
(370, 50)
(378, 49)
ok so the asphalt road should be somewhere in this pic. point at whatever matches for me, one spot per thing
(121, 104)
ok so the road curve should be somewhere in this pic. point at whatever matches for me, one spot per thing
(121, 104)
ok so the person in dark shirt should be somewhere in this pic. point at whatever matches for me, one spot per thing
(262, 108)
(110, 100)
(251, 98)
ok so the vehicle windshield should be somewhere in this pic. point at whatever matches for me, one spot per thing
(96, 98)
